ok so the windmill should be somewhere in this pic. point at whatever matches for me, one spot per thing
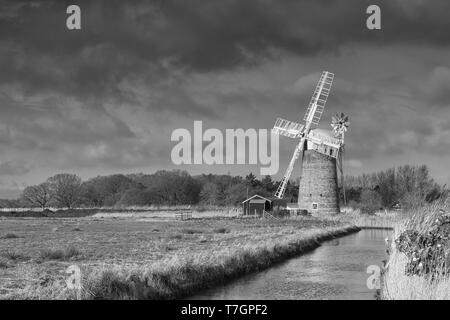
(319, 148)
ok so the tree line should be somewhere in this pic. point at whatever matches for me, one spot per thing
(167, 188)
(405, 185)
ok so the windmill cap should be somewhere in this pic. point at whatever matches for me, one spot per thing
(327, 135)
(323, 132)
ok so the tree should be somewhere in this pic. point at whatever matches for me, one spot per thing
(268, 184)
(39, 195)
(370, 201)
(411, 186)
(209, 194)
(107, 190)
(251, 180)
(385, 180)
(414, 184)
(173, 187)
(89, 195)
(291, 192)
(66, 189)
(235, 194)
(259, 191)
(135, 197)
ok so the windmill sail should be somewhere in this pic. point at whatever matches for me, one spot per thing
(287, 128)
(319, 98)
(282, 186)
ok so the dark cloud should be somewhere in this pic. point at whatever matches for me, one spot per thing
(213, 34)
(135, 37)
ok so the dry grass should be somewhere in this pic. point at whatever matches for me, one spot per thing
(14, 255)
(59, 254)
(168, 213)
(378, 220)
(147, 258)
(396, 284)
(10, 235)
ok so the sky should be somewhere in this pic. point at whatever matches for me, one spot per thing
(105, 99)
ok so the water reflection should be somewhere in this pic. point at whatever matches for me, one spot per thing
(335, 270)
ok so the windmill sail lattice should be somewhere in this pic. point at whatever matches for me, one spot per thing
(287, 128)
(319, 98)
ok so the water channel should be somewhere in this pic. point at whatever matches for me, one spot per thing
(335, 270)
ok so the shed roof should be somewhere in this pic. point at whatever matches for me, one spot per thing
(258, 201)
(257, 195)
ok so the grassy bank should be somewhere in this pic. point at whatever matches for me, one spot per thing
(125, 258)
(396, 285)
(179, 277)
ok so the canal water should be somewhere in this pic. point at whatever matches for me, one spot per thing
(335, 270)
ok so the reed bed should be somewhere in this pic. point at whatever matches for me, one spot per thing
(378, 220)
(396, 285)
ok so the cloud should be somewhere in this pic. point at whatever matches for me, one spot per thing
(216, 34)
(109, 95)
(13, 167)
(435, 88)
(353, 163)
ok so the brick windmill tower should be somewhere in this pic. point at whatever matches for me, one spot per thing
(321, 150)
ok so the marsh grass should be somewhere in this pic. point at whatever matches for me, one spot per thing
(59, 254)
(221, 230)
(3, 263)
(191, 231)
(377, 220)
(10, 236)
(396, 284)
(14, 255)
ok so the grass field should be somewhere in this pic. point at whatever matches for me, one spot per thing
(144, 257)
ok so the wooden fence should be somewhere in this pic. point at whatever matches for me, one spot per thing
(184, 215)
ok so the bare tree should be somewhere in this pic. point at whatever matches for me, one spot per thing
(65, 188)
(38, 195)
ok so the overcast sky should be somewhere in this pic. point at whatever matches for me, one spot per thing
(105, 99)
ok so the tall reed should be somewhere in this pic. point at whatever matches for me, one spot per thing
(396, 283)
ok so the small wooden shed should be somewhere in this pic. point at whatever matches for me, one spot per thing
(256, 205)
